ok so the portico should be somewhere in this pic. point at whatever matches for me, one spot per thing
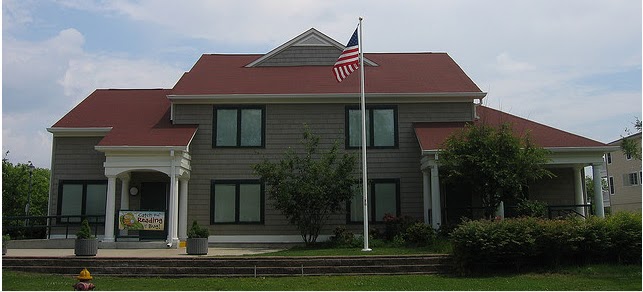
(568, 156)
(122, 162)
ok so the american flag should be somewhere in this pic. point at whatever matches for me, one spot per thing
(348, 61)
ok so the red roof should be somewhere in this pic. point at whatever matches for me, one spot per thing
(139, 117)
(396, 73)
(432, 135)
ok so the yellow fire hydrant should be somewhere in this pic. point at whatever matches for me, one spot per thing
(84, 283)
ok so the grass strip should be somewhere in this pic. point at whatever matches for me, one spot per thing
(592, 277)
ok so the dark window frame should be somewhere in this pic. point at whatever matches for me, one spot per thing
(372, 204)
(84, 183)
(610, 182)
(370, 126)
(633, 179)
(239, 109)
(237, 184)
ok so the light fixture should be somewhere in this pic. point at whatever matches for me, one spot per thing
(133, 191)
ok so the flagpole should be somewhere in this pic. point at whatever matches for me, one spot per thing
(364, 169)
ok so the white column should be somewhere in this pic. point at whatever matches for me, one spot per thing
(578, 189)
(500, 212)
(183, 206)
(173, 208)
(110, 209)
(124, 196)
(436, 210)
(598, 190)
(426, 195)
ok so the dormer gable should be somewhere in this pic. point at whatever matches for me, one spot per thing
(311, 48)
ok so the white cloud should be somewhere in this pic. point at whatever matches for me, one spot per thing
(531, 55)
(90, 72)
(43, 80)
(506, 64)
(16, 14)
(25, 139)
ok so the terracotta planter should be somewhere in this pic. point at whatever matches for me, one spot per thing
(197, 246)
(86, 247)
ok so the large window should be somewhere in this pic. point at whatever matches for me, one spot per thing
(81, 198)
(631, 179)
(236, 202)
(238, 126)
(381, 127)
(383, 198)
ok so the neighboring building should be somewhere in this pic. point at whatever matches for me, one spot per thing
(188, 150)
(624, 177)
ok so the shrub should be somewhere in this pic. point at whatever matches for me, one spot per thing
(419, 234)
(514, 242)
(624, 230)
(342, 237)
(197, 231)
(85, 232)
(529, 208)
(396, 225)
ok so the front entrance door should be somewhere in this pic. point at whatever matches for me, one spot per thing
(154, 196)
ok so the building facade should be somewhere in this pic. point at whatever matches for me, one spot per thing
(188, 151)
(624, 177)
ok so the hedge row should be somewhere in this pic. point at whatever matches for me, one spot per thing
(512, 243)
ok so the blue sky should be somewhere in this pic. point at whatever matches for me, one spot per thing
(574, 65)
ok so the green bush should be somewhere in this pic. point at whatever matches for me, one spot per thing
(419, 234)
(624, 230)
(85, 232)
(512, 243)
(396, 225)
(531, 208)
(197, 231)
(342, 237)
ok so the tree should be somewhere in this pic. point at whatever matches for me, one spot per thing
(497, 165)
(589, 187)
(15, 189)
(629, 145)
(309, 188)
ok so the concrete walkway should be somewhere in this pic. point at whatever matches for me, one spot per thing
(132, 253)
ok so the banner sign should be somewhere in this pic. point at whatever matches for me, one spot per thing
(141, 220)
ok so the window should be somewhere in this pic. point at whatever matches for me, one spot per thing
(238, 126)
(609, 158)
(611, 185)
(81, 198)
(631, 179)
(383, 198)
(628, 156)
(381, 127)
(237, 202)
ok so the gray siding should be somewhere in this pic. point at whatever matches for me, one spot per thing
(303, 56)
(74, 158)
(284, 126)
(558, 190)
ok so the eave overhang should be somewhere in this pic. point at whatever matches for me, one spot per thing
(310, 98)
(79, 132)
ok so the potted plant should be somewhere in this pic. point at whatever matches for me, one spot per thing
(5, 242)
(85, 244)
(197, 243)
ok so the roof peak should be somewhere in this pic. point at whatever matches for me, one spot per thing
(300, 50)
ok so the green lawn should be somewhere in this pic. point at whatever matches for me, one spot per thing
(593, 277)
